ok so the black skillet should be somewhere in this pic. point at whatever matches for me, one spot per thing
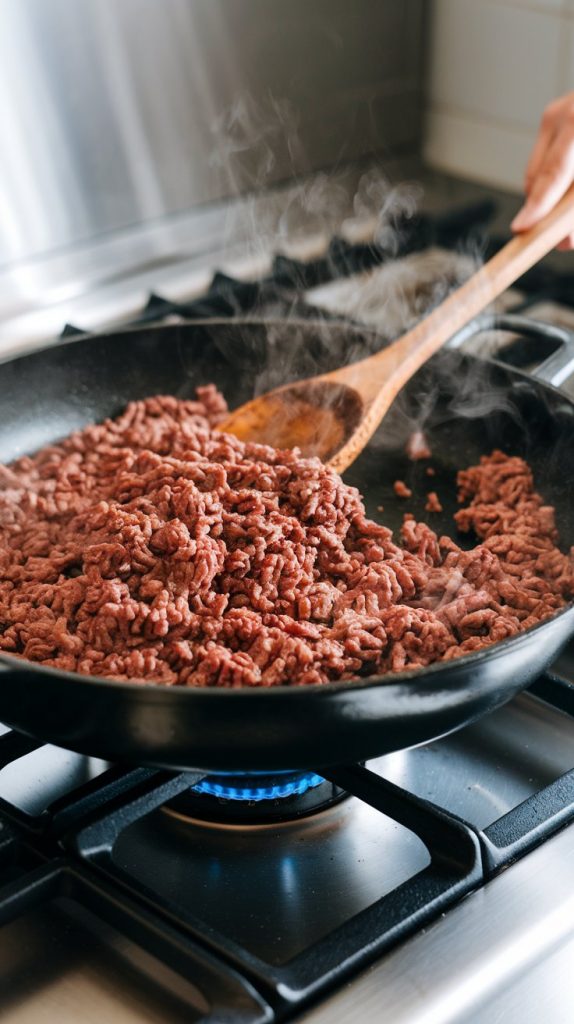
(470, 406)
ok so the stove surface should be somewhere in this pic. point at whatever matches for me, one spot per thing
(60, 962)
(136, 913)
(274, 890)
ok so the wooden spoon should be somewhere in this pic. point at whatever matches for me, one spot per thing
(335, 414)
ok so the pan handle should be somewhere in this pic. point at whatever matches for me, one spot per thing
(555, 370)
(559, 366)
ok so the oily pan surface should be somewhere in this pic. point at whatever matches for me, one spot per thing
(151, 547)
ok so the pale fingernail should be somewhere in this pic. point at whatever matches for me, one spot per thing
(519, 220)
(523, 217)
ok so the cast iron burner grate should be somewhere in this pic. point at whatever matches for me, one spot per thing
(281, 293)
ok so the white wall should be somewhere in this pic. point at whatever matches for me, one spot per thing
(494, 65)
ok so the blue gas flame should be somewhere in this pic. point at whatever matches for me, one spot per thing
(215, 785)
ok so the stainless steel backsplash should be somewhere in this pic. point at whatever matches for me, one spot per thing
(119, 112)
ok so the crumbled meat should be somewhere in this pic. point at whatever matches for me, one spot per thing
(153, 548)
(418, 446)
(433, 503)
(401, 490)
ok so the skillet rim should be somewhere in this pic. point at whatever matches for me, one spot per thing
(17, 664)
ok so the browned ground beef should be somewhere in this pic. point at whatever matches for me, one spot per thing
(401, 490)
(433, 502)
(151, 547)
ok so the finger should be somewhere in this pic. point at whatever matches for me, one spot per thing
(552, 180)
(567, 243)
(546, 135)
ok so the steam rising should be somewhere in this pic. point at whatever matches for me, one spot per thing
(395, 296)
(253, 140)
(248, 142)
(391, 205)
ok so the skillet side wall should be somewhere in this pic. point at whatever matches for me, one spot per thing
(46, 395)
(285, 728)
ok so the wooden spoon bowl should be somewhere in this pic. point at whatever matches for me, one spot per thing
(335, 414)
(318, 416)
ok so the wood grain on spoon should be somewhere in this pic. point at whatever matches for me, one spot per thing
(335, 414)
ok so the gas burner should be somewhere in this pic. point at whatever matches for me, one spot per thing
(254, 798)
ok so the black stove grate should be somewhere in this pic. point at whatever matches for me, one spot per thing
(50, 791)
(66, 852)
(281, 293)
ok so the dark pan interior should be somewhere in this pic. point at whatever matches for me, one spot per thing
(468, 407)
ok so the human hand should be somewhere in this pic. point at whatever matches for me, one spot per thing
(550, 169)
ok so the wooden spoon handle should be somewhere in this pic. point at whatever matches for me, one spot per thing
(379, 378)
(513, 260)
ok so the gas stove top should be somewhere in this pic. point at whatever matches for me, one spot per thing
(117, 885)
(432, 884)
